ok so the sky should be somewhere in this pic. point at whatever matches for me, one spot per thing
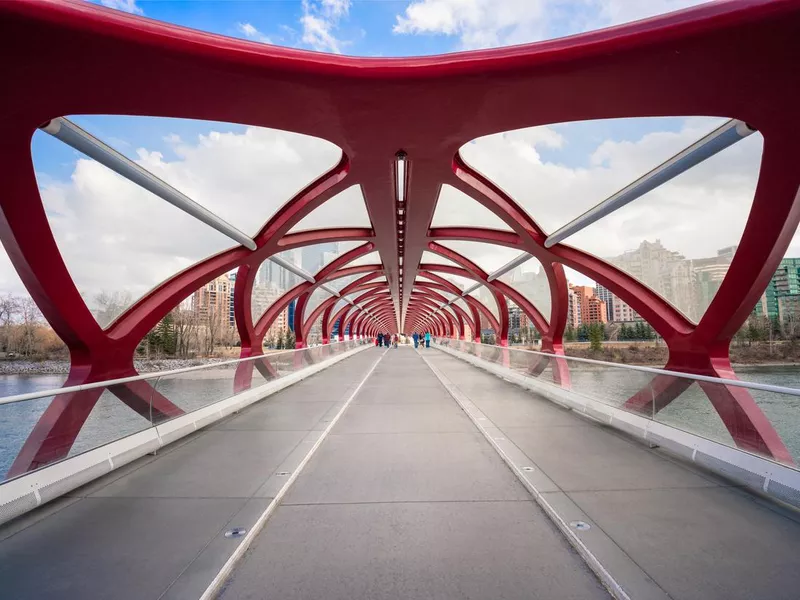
(117, 237)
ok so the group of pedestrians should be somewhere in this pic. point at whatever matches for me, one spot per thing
(424, 339)
(386, 339)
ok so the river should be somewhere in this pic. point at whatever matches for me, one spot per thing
(110, 419)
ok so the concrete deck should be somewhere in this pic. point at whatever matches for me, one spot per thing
(406, 497)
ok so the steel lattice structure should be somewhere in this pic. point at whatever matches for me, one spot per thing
(734, 59)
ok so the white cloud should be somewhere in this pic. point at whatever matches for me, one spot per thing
(477, 23)
(320, 21)
(128, 6)
(491, 23)
(115, 236)
(249, 31)
(696, 214)
(614, 12)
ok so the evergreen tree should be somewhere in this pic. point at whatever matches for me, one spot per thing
(569, 333)
(596, 337)
(290, 340)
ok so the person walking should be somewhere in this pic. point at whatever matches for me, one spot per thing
(387, 339)
(427, 339)
(394, 340)
(416, 339)
(380, 340)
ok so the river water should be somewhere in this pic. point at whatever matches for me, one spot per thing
(111, 419)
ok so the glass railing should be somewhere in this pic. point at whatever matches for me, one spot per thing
(758, 418)
(40, 428)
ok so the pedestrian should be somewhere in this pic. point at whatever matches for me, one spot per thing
(376, 340)
(427, 339)
(416, 339)
(380, 340)
(394, 340)
(387, 339)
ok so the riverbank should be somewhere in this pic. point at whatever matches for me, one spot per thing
(61, 367)
(649, 354)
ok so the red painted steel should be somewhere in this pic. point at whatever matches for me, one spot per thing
(427, 107)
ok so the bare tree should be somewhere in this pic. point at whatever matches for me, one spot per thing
(216, 319)
(186, 332)
(110, 305)
(30, 319)
(9, 307)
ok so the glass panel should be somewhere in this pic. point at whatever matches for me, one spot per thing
(485, 296)
(454, 208)
(530, 280)
(272, 281)
(557, 172)
(463, 304)
(109, 421)
(345, 209)
(459, 281)
(615, 386)
(488, 257)
(681, 238)
(315, 333)
(318, 296)
(119, 241)
(373, 258)
(341, 282)
(435, 259)
(317, 256)
(678, 239)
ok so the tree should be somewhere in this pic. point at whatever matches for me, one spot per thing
(216, 321)
(186, 332)
(9, 307)
(569, 333)
(596, 337)
(291, 342)
(30, 320)
(110, 305)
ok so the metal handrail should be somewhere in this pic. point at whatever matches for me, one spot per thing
(720, 380)
(145, 376)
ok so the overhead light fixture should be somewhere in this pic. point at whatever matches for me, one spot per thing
(400, 174)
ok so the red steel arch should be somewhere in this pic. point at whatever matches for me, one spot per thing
(436, 105)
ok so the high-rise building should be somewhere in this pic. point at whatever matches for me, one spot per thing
(313, 257)
(785, 282)
(664, 271)
(213, 300)
(231, 314)
(622, 312)
(607, 296)
(573, 307)
(593, 309)
(514, 319)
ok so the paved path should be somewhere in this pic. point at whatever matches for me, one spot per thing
(406, 499)
(663, 527)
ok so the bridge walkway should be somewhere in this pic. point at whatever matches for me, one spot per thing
(407, 499)
(406, 495)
